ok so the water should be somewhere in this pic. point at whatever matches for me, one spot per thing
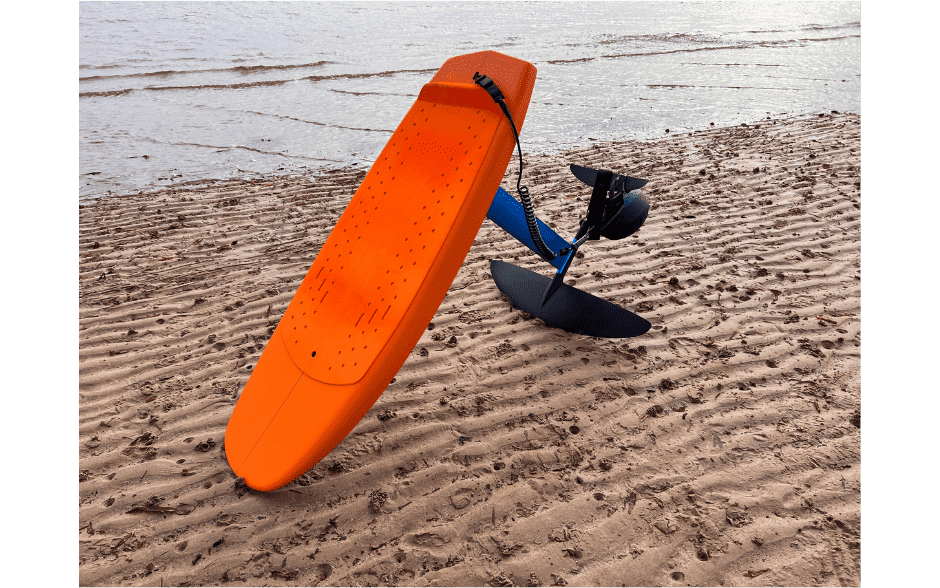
(178, 92)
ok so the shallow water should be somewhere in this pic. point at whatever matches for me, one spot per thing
(178, 92)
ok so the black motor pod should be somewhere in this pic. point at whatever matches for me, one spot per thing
(627, 213)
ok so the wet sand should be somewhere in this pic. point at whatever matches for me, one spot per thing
(723, 447)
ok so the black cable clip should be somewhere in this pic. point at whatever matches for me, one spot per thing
(490, 86)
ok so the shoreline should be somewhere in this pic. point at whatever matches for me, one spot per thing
(513, 450)
(316, 172)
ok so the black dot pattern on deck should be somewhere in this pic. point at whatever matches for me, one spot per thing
(373, 263)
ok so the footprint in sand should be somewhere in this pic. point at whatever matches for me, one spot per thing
(428, 540)
(803, 301)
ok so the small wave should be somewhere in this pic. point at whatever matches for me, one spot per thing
(643, 54)
(661, 38)
(370, 93)
(672, 86)
(242, 85)
(225, 148)
(321, 124)
(833, 38)
(816, 27)
(111, 66)
(739, 64)
(579, 60)
(243, 69)
(110, 93)
(255, 68)
(614, 56)
(785, 42)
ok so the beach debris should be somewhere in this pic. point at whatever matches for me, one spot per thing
(856, 419)
(737, 518)
(377, 499)
(655, 411)
(698, 398)
(145, 439)
(562, 534)
(329, 528)
(205, 446)
(387, 414)
(129, 542)
(285, 574)
(323, 571)
(500, 579)
(506, 548)
(666, 526)
(812, 349)
(645, 306)
(152, 505)
(753, 573)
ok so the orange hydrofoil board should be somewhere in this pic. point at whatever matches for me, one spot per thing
(382, 273)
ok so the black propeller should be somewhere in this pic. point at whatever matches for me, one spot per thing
(620, 213)
(619, 184)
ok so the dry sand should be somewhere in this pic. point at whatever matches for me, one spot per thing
(723, 447)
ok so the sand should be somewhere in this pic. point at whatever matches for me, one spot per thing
(722, 448)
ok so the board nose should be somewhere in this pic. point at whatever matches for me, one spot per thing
(273, 378)
(306, 426)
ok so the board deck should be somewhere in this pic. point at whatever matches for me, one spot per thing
(382, 273)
